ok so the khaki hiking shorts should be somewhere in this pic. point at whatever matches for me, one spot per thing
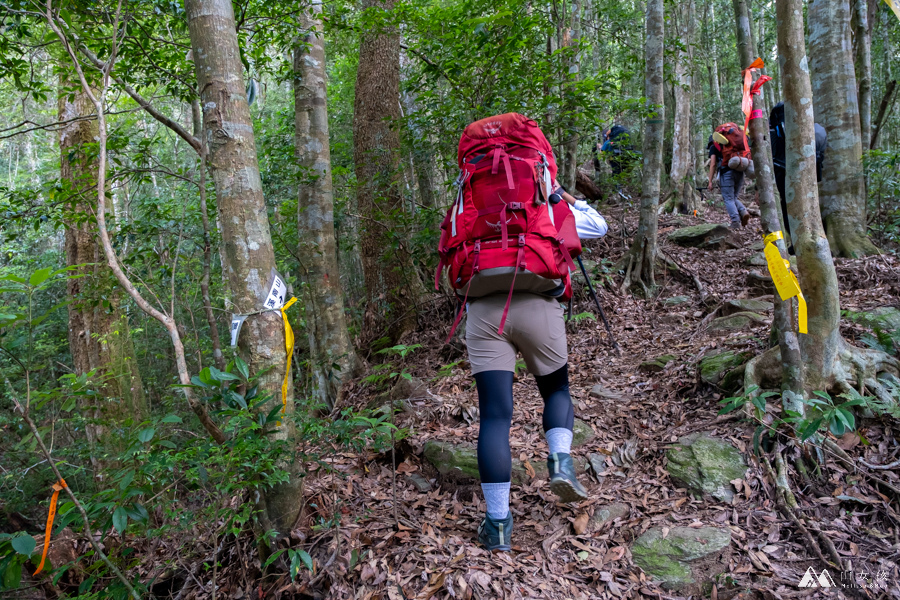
(535, 327)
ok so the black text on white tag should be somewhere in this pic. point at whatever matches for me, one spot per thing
(236, 322)
(277, 292)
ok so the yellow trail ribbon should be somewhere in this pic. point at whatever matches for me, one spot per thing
(289, 346)
(785, 281)
(57, 488)
(895, 6)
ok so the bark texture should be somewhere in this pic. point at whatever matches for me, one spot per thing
(682, 171)
(843, 190)
(215, 340)
(788, 340)
(818, 279)
(640, 261)
(390, 278)
(228, 133)
(572, 65)
(863, 36)
(329, 340)
(99, 336)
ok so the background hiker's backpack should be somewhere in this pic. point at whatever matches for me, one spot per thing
(776, 133)
(502, 234)
(735, 153)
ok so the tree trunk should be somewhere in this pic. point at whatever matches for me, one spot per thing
(863, 34)
(640, 261)
(326, 325)
(218, 357)
(718, 112)
(788, 340)
(391, 280)
(682, 171)
(884, 109)
(244, 220)
(569, 122)
(834, 87)
(419, 144)
(99, 336)
(818, 279)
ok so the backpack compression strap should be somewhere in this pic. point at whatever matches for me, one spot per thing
(520, 264)
(500, 152)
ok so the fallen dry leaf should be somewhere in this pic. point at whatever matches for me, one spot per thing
(580, 523)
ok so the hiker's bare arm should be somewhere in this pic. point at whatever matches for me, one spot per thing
(712, 171)
(568, 198)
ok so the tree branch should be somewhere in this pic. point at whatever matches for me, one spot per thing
(143, 102)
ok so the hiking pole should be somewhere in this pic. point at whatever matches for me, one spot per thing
(599, 308)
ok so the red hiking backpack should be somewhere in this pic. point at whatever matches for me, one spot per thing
(737, 143)
(502, 233)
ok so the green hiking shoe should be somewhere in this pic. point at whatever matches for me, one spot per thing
(563, 482)
(494, 534)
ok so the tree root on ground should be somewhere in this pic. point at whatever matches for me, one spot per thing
(854, 369)
(787, 503)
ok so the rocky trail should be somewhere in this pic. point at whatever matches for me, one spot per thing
(679, 505)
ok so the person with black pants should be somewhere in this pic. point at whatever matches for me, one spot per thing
(534, 326)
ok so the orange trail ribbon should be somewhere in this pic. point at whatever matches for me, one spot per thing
(785, 281)
(57, 488)
(289, 346)
(751, 89)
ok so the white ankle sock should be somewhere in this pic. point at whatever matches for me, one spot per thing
(496, 496)
(559, 439)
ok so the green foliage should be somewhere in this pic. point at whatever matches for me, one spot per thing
(883, 177)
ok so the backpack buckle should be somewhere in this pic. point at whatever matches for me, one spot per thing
(521, 239)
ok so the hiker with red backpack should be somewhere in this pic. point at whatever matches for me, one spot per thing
(729, 150)
(507, 242)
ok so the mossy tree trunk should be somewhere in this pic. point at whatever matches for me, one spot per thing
(99, 336)
(249, 256)
(843, 190)
(333, 355)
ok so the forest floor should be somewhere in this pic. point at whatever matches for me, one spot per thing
(431, 550)
(417, 537)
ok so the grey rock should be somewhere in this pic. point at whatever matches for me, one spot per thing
(754, 305)
(683, 558)
(600, 391)
(676, 300)
(716, 365)
(610, 512)
(581, 433)
(705, 235)
(419, 482)
(657, 364)
(740, 321)
(706, 465)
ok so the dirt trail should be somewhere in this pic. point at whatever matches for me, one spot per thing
(434, 550)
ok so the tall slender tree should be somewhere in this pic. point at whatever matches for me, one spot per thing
(788, 341)
(639, 262)
(333, 356)
(390, 277)
(829, 363)
(99, 335)
(843, 190)
(244, 221)
(684, 196)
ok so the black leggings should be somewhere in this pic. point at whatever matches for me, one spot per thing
(495, 401)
